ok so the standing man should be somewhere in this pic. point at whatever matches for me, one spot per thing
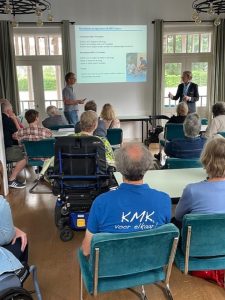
(187, 92)
(69, 99)
(134, 206)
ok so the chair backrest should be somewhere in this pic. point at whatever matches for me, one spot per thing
(207, 234)
(57, 127)
(173, 131)
(221, 133)
(79, 156)
(182, 163)
(115, 136)
(204, 121)
(39, 149)
(130, 253)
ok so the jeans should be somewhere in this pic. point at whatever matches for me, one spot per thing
(71, 116)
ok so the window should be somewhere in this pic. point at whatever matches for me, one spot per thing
(39, 67)
(186, 48)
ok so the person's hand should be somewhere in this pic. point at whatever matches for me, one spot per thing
(186, 98)
(12, 115)
(170, 95)
(22, 235)
(82, 101)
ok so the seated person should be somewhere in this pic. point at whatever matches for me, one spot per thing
(143, 64)
(54, 118)
(109, 117)
(100, 130)
(134, 206)
(207, 196)
(190, 146)
(88, 124)
(218, 121)
(13, 151)
(12, 238)
(34, 132)
(182, 111)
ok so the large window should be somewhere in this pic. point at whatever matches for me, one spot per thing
(186, 48)
(39, 67)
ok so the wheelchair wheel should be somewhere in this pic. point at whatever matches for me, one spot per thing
(66, 234)
(57, 215)
(15, 294)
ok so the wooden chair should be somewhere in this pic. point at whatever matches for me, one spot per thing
(124, 260)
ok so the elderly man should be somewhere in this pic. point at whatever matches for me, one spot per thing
(54, 118)
(191, 146)
(134, 206)
(13, 151)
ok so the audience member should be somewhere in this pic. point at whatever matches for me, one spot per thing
(34, 132)
(182, 111)
(109, 117)
(207, 196)
(100, 130)
(190, 146)
(134, 206)
(13, 151)
(218, 121)
(88, 124)
(70, 100)
(54, 118)
(12, 238)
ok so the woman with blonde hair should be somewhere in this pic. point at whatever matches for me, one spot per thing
(207, 196)
(109, 117)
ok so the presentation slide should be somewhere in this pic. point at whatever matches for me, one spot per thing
(111, 53)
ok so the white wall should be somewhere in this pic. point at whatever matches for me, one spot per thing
(127, 98)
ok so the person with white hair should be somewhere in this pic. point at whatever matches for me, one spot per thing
(13, 152)
(192, 144)
(54, 118)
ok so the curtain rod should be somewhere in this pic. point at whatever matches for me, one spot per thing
(153, 22)
(48, 23)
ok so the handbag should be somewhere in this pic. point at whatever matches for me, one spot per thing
(211, 275)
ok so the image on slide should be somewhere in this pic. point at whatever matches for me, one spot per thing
(136, 67)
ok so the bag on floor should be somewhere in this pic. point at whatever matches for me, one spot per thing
(211, 275)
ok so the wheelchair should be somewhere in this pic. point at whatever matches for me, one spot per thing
(80, 174)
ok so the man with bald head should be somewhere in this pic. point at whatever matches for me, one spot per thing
(134, 206)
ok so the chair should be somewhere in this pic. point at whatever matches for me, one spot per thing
(173, 131)
(222, 133)
(57, 127)
(204, 121)
(182, 163)
(124, 260)
(37, 152)
(115, 137)
(203, 243)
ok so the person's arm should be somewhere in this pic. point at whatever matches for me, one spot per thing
(178, 93)
(184, 205)
(19, 234)
(15, 120)
(86, 244)
(193, 94)
(73, 102)
(212, 129)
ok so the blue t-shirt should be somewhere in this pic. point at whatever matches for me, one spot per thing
(203, 197)
(129, 208)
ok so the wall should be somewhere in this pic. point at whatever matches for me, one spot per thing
(127, 98)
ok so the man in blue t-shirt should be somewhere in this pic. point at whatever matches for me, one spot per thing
(134, 206)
